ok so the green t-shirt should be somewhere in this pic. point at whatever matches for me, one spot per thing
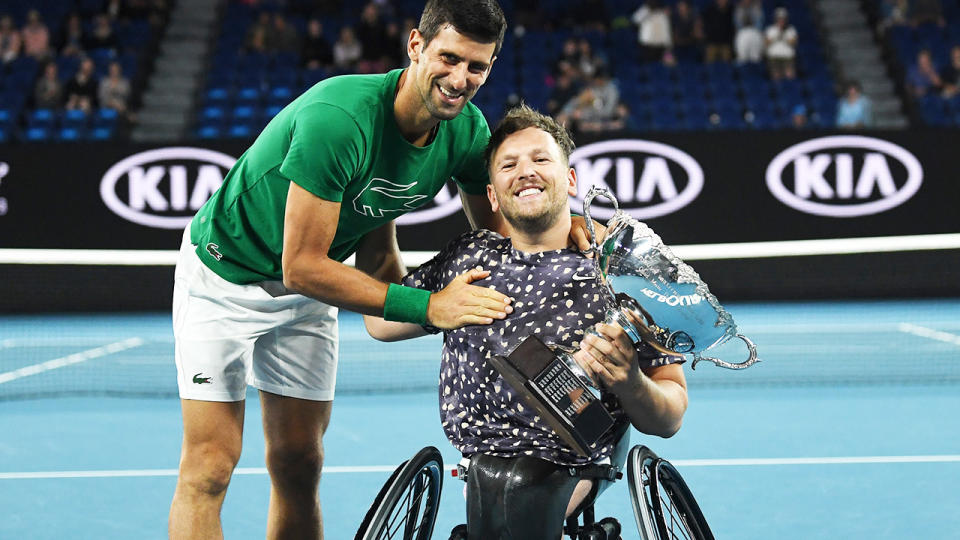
(339, 141)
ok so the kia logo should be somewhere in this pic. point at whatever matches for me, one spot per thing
(844, 176)
(649, 179)
(446, 202)
(164, 188)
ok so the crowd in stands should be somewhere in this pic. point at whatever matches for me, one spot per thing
(66, 66)
(924, 35)
(599, 66)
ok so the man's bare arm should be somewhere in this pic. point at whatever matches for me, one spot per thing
(309, 227)
(654, 399)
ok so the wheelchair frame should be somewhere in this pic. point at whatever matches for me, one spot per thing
(663, 505)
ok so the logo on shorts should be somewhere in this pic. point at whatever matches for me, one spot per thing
(385, 196)
(197, 379)
(212, 250)
(578, 277)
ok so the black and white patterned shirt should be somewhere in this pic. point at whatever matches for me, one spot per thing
(556, 298)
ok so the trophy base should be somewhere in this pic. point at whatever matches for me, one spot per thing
(549, 387)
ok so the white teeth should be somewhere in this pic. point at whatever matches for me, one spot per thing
(448, 94)
(528, 191)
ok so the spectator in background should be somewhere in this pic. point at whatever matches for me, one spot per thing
(283, 37)
(395, 55)
(597, 107)
(798, 117)
(316, 51)
(748, 13)
(687, 28)
(894, 13)
(10, 40)
(114, 90)
(48, 92)
(718, 31)
(569, 59)
(72, 39)
(372, 35)
(855, 109)
(926, 12)
(922, 77)
(655, 37)
(101, 36)
(258, 35)
(748, 42)
(951, 74)
(347, 51)
(36, 37)
(566, 86)
(81, 90)
(781, 46)
(588, 61)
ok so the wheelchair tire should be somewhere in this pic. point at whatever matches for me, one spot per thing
(406, 507)
(663, 505)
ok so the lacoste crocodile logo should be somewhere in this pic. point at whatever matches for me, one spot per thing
(197, 379)
(212, 249)
(382, 196)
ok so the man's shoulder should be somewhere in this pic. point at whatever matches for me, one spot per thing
(355, 94)
(477, 241)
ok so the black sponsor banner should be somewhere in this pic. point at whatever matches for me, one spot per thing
(690, 187)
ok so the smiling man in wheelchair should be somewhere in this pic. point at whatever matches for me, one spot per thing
(523, 480)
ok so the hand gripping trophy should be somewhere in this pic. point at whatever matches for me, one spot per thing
(658, 299)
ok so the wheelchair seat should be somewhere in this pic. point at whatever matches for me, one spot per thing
(527, 497)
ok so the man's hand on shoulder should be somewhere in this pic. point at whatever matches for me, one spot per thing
(461, 304)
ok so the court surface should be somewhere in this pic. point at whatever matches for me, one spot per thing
(847, 429)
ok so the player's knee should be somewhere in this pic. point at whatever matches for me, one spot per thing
(207, 469)
(295, 465)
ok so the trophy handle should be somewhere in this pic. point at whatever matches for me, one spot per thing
(751, 359)
(592, 193)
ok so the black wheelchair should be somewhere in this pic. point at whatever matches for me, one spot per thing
(664, 507)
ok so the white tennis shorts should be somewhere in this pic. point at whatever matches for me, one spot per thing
(229, 336)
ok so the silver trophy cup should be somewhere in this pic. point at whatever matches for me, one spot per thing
(678, 311)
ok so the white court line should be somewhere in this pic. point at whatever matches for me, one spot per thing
(748, 462)
(75, 358)
(691, 252)
(923, 331)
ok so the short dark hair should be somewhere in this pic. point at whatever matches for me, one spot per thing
(480, 20)
(522, 117)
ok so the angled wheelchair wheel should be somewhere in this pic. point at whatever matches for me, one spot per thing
(663, 505)
(406, 507)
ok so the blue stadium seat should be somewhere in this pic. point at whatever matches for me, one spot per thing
(36, 134)
(240, 131)
(208, 132)
(41, 118)
(70, 134)
(74, 119)
(102, 133)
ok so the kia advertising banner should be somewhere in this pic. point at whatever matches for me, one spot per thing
(691, 188)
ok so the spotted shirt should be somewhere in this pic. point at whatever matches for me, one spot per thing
(556, 299)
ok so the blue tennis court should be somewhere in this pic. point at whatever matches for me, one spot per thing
(847, 429)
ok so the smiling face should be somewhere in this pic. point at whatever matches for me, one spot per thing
(448, 70)
(530, 181)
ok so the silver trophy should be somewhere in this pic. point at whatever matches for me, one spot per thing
(679, 314)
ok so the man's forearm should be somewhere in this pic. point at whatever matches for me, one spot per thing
(337, 284)
(655, 406)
